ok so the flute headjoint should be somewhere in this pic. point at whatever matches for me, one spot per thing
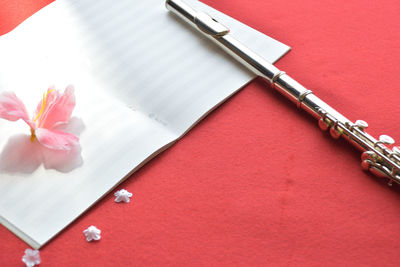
(209, 25)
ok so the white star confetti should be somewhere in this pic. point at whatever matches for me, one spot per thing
(31, 257)
(92, 233)
(122, 196)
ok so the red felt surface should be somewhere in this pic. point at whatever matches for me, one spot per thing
(256, 183)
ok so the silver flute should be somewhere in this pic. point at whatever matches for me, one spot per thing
(377, 156)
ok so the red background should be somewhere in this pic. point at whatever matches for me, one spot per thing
(256, 182)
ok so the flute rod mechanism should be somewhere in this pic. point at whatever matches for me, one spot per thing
(376, 157)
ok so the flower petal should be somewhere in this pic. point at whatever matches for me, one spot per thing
(58, 108)
(60, 160)
(12, 108)
(56, 140)
(50, 96)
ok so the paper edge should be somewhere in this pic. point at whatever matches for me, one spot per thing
(27, 239)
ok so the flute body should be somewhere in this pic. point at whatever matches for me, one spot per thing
(377, 156)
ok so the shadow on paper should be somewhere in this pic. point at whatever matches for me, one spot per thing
(21, 155)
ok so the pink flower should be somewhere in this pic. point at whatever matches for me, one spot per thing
(53, 110)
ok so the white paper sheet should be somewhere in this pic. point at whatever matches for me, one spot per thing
(142, 78)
